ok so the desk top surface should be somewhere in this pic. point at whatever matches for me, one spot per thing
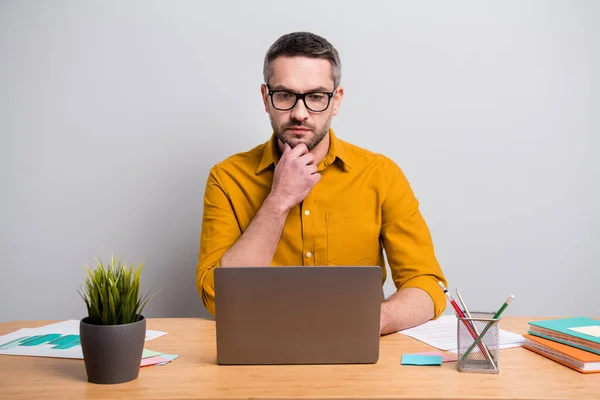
(523, 374)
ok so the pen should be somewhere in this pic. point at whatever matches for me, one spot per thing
(487, 352)
(496, 316)
(460, 314)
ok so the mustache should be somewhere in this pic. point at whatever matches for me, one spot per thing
(299, 124)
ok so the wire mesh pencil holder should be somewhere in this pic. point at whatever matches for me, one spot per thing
(478, 343)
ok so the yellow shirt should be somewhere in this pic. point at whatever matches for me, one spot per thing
(362, 205)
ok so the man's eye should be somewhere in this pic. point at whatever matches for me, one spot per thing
(316, 97)
(283, 95)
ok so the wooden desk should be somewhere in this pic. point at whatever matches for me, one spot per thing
(523, 374)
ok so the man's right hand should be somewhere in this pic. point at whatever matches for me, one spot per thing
(294, 177)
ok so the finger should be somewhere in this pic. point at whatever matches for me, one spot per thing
(311, 169)
(316, 177)
(299, 150)
(286, 148)
(307, 158)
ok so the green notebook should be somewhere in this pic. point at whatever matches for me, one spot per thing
(580, 332)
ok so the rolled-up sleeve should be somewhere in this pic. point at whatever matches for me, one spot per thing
(407, 239)
(220, 230)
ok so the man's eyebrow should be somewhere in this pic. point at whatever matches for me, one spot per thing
(317, 89)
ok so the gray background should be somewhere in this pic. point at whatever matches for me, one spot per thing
(112, 113)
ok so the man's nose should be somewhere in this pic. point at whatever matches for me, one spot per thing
(300, 112)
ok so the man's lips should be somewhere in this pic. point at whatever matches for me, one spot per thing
(298, 129)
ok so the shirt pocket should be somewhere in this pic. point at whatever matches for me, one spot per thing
(352, 238)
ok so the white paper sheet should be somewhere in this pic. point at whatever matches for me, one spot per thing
(441, 334)
(14, 343)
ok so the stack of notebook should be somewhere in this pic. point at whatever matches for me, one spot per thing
(574, 342)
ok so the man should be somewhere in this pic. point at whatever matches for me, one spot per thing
(306, 197)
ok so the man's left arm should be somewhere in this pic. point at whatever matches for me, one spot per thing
(410, 254)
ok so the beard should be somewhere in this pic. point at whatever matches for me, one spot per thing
(318, 132)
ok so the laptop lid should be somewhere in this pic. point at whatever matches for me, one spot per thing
(298, 315)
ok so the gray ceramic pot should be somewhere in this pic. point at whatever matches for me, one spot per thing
(112, 353)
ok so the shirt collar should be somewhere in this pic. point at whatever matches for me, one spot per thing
(270, 154)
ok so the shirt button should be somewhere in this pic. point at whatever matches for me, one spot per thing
(306, 212)
(309, 254)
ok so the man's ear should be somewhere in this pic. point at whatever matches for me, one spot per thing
(337, 99)
(265, 96)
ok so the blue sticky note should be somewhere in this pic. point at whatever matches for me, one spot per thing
(419, 359)
(170, 357)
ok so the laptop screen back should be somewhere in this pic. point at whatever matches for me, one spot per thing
(298, 315)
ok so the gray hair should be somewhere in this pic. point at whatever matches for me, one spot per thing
(303, 44)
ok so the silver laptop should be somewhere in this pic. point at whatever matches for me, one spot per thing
(298, 315)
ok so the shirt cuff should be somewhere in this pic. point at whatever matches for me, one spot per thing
(207, 290)
(430, 285)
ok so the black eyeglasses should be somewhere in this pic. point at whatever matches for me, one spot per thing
(284, 100)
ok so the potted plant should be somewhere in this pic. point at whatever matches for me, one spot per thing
(113, 334)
